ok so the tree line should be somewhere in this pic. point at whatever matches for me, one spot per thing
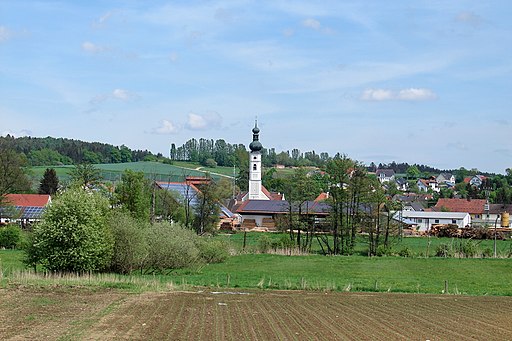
(44, 151)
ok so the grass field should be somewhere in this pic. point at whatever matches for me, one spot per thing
(30, 313)
(469, 276)
(153, 170)
(420, 247)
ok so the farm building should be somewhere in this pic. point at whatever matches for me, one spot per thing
(24, 208)
(189, 193)
(423, 221)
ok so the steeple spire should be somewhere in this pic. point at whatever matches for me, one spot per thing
(255, 145)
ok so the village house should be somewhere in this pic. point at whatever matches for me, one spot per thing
(425, 185)
(422, 220)
(385, 175)
(24, 209)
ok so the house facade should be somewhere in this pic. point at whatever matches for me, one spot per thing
(24, 208)
(423, 221)
(385, 175)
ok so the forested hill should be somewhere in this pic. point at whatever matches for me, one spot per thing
(43, 151)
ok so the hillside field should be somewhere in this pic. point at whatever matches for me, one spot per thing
(153, 170)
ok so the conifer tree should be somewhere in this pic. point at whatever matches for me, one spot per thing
(49, 182)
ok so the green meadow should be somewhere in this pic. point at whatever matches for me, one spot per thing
(252, 270)
(153, 170)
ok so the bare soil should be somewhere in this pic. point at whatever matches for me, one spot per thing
(86, 314)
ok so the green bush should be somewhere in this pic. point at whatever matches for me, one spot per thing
(170, 247)
(264, 243)
(212, 251)
(284, 242)
(384, 251)
(73, 235)
(10, 236)
(130, 247)
(405, 252)
(487, 253)
(468, 248)
(444, 250)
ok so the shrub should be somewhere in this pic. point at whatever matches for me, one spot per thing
(210, 163)
(284, 242)
(384, 251)
(264, 243)
(405, 252)
(130, 247)
(487, 253)
(212, 251)
(73, 235)
(10, 236)
(170, 246)
(443, 250)
(468, 248)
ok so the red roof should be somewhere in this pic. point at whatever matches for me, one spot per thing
(473, 206)
(26, 200)
(322, 196)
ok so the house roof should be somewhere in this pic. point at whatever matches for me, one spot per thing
(322, 196)
(28, 200)
(500, 208)
(432, 215)
(188, 189)
(386, 172)
(281, 207)
(473, 206)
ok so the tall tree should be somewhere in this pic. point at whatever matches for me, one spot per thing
(85, 175)
(49, 183)
(133, 194)
(12, 175)
(207, 209)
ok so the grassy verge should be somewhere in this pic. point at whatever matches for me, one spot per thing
(469, 276)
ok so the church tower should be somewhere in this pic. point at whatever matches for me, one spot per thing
(255, 192)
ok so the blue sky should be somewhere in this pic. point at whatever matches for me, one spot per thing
(424, 82)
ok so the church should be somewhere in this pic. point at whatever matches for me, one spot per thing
(259, 208)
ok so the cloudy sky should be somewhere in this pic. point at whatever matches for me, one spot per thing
(426, 82)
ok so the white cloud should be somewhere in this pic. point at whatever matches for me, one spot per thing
(411, 94)
(89, 47)
(5, 34)
(315, 25)
(469, 18)
(118, 94)
(203, 122)
(122, 94)
(102, 20)
(416, 94)
(377, 95)
(166, 127)
(311, 23)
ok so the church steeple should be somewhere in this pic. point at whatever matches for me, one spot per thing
(255, 144)
(255, 192)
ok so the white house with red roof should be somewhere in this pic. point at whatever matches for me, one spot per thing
(24, 208)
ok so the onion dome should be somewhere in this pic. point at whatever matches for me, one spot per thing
(255, 145)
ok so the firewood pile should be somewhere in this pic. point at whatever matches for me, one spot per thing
(453, 231)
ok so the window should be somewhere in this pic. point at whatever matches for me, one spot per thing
(477, 216)
(436, 221)
(420, 220)
(454, 221)
(254, 158)
(254, 167)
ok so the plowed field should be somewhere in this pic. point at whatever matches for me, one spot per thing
(83, 314)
